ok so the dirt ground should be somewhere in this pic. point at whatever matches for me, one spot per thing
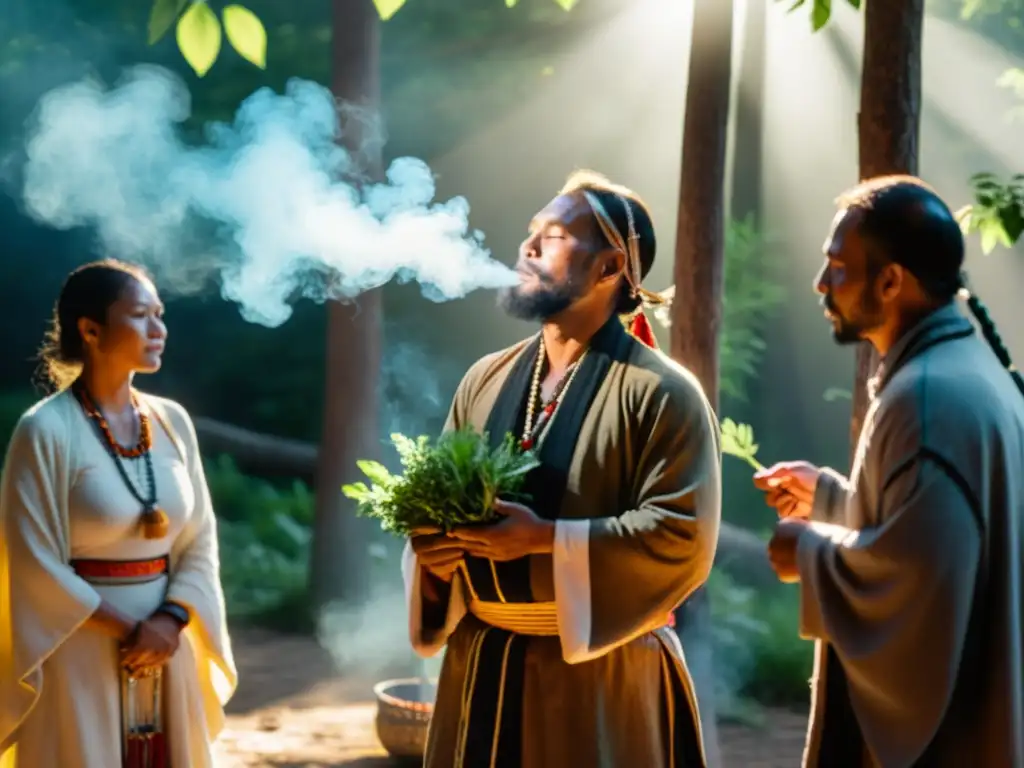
(291, 711)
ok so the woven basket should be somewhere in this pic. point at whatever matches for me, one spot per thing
(404, 708)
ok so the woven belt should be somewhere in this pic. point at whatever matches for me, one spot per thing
(538, 619)
(121, 569)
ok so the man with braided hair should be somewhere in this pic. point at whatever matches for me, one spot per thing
(910, 571)
(556, 619)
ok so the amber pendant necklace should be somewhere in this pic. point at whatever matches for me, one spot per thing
(155, 524)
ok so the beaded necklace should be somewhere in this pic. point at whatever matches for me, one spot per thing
(155, 524)
(534, 432)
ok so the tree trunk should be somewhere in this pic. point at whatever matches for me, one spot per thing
(747, 163)
(888, 125)
(339, 566)
(698, 273)
(700, 225)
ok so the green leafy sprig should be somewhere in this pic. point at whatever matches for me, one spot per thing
(453, 481)
(738, 441)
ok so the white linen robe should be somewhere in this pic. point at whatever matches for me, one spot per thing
(62, 498)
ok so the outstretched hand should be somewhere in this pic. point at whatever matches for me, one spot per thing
(519, 534)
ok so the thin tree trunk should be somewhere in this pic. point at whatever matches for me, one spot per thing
(339, 566)
(747, 163)
(698, 273)
(889, 124)
(700, 225)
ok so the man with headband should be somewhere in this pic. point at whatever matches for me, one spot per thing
(556, 619)
(910, 571)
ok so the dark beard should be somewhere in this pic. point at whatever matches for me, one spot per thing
(851, 331)
(844, 332)
(541, 303)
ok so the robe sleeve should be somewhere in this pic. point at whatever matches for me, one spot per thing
(42, 600)
(901, 590)
(616, 578)
(431, 622)
(829, 505)
(195, 584)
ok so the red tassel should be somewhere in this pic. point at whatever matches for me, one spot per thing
(133, 758)
(642, 330)
(159, 756)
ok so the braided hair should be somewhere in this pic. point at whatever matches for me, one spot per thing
(906, 222)
(988, 330)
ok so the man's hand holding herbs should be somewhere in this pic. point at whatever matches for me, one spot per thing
(519, 532)
(439, 556)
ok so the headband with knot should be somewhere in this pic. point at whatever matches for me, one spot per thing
(629, 246)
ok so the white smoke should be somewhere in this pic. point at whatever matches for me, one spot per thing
(261, 204)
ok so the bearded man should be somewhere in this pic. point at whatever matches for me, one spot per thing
(911, 574)
(556, 619)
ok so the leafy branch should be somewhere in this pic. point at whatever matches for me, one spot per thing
(997, 213)
(199, 31)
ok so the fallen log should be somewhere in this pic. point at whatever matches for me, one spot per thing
(257, 453)
(740, 552)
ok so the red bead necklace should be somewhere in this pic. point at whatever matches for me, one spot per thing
(94, 413)
(154, 521)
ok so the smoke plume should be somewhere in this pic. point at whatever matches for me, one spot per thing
(261, 203)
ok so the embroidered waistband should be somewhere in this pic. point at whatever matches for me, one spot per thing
(537, 619)
(121, 569)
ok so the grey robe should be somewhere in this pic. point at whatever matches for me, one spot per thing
(912, 580)
(631, 475)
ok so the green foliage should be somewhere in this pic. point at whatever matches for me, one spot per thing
(738, 441)
(750, 295)
(978, 9)
(163, 14)
(1013, 80)
(264, 534)
(388, 8)
(749, 298)
(199, 31)
(758, 652)
(199, 36)
(454, 481)
(246, 34)
(997, 213)
(821, 10)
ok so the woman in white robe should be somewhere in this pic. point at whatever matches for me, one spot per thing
(108, 553)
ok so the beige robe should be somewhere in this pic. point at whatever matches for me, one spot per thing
(62, 499)
(636, 499)
(912, 579)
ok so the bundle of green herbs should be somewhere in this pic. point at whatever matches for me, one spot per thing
(445, 483)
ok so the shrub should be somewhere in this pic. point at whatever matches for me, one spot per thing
(758, 654)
